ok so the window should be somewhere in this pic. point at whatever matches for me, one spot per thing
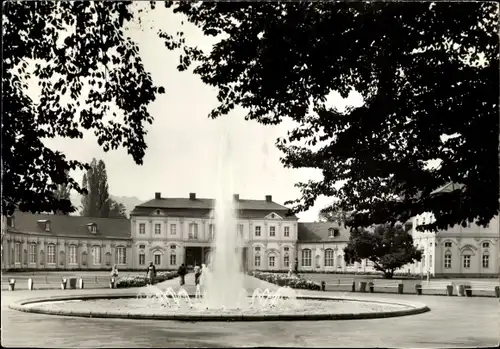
(193, 231)
(142, 258)
(17, 252)
(286, 231)
(486, 261)
(286, 260)
(157, 229)
(107, 258)
(142, 228)
(51, 254)
(328, 257)
(211, 231)
(257, 260)
(72, 254)
(157, 259)
(121, 255)
(173, 229)
(486, 244)
(47, 226)
(173, 257)
(466, 260)
(447, 244)
(93, 228)
(32, 253)
(257, 230)
(257, 248)
(96, 255)
(330, 232)
(286, 249)
(142, 247)
(306, 258)
(271, 261)
(447, 260)
(272, 231)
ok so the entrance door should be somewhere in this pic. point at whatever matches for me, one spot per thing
(193, 256)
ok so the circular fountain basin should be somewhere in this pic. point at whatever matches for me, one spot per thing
(131, 307)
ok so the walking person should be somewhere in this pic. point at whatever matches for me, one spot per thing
(150, 274)
(182, 273)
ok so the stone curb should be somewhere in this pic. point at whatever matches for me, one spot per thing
(415, 308)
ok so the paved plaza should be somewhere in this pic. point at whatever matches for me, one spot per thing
(452, 322)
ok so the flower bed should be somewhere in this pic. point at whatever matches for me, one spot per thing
(292, 281)
(140, 280)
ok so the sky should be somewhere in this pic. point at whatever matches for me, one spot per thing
(184, 144)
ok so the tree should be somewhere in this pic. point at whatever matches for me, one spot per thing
(97, 202)
(87, 72)
(328, 215)
(428, 75)
(62, 192)
(389, 247)
(117, 209)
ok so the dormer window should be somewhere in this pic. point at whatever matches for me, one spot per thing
(158, 212)
(44, 224)
(11, 221)
(330, 233)
(92, 228)
(336, 232)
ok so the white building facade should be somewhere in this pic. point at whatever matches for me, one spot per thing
(172, 231)
(472, 250)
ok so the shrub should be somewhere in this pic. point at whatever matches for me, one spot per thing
(292, 281)
(140, 280)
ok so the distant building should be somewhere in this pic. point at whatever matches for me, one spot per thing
(46, 241)
(171, 231)
(472, 250)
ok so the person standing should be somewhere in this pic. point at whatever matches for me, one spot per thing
(197, 274)
(150, 273)
(182, 273)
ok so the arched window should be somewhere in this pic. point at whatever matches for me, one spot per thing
(84, 258)
(120, 255)
(51, 254)
(96, 255)
(257, 260)
(329, 257)
(447, 260)
(466, 258)
(306, 257)
(32, 253)
(173, 255)
(272, 261)
(72, 260)
(107, 258)
(62, 258)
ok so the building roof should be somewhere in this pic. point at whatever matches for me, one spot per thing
(319, 232)
(199, 207)
(71, 226)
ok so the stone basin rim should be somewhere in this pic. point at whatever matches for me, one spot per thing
(414, 308)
